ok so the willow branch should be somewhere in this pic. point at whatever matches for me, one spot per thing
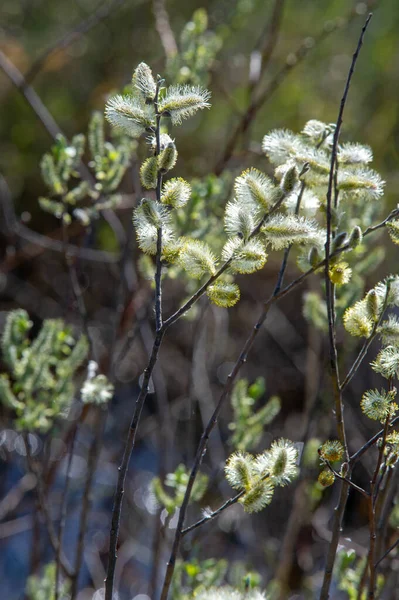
(213, 420)
(210, 516)
(340, 508)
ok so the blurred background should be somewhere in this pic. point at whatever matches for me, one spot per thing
(268, 65)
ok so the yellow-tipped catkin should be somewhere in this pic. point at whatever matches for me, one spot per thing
(332, 450)
(223, 294)
(326, 478)
(340, 273)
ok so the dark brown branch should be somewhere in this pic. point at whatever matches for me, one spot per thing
(394, 545)
(63, 515)
(29, 93)
(45, 510)
(213, 514)
(340, 509)
(86, 499)
(357, 455)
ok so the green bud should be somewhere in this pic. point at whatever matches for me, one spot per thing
(149, 173)
(355, 237)
(289, 180)
(339, 241)
(373, 304)
(167, 158)
(314, 256)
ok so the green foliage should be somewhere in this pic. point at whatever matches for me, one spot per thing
(315, 310)
(198, 48)
(349, 573)
(177, 481)
(69, 197)
(43, 587)
(195, 577)
(248, 425)
(40, 385)
(258, 476)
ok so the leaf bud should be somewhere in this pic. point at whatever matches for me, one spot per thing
(314, 256)
(355, 238)
(339, 240)
(289, 180)
(167, 158)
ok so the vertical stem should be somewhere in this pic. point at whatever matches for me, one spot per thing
(86, 500)
(158, 273)
(372, 512)
(44, 508)
(122, 471)
(340, 508)
(131, 437)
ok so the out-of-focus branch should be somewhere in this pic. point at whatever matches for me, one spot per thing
(293, 60)
(54, 130)
(71, 36)
(30, 95)
(267, 43)
(164, 29)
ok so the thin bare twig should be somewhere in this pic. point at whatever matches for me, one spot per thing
(86, 497)
(45, 510)
(340, 509)
(130, 441)
(29, 93)
(357, 455)
(211, 515)
(394, 545)
(372, 513)
(63, 515)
